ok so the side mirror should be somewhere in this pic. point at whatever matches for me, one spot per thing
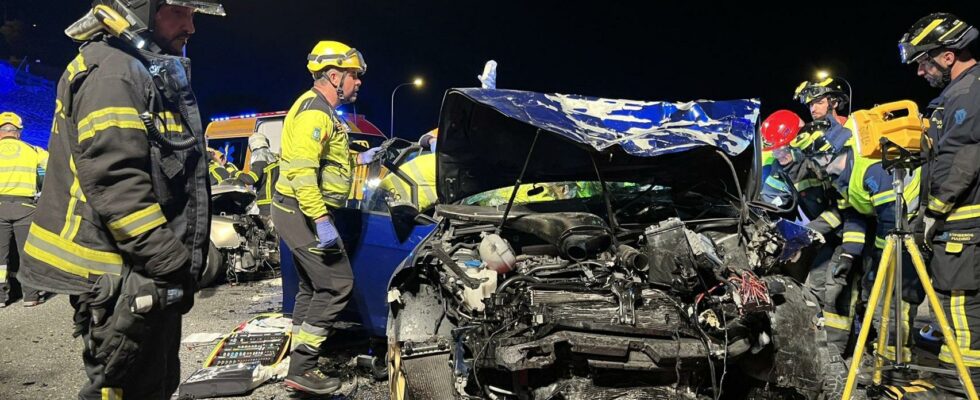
(404, 216)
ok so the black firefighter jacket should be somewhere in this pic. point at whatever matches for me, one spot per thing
(115, 197)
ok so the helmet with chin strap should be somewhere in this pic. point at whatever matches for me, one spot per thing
(330, 54)
(936, 31)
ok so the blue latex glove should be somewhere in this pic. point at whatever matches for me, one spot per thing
(327, 233)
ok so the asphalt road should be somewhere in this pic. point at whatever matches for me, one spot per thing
(39, 359)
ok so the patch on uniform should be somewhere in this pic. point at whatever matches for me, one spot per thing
(316, 134)
(871, 184)
(959, 116)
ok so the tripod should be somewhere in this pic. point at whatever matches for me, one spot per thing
(889, 276)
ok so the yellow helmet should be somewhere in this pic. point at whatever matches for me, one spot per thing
(11, 118)
(335, 54)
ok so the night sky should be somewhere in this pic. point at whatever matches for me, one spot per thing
(254, 59)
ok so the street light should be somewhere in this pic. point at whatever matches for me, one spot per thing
(417, 82)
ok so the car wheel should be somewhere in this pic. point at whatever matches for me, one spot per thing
(214, 268)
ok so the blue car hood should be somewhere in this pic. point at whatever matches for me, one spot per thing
(485, 136)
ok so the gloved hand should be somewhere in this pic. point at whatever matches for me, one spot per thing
(368, 155)
(843, 265)
(326, 232)
(930, 228)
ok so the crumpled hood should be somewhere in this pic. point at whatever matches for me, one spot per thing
(485, 135)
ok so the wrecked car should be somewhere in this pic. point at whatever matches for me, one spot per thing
(645, 272)
(243, 243)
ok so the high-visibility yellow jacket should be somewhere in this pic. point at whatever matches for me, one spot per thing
(421, 171)
(316, 163)
(21, 167)
(111, 201)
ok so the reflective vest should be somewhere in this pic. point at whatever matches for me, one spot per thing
(865, 198)
(421, 171)
(20, 167)
(316, 163)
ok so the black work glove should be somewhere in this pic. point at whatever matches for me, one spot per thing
(116, 340)
(841, 267)
(187, 282)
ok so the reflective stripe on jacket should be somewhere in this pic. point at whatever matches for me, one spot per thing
(315, 167)
(112, 201)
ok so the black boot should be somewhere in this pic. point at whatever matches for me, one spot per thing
(313, 381)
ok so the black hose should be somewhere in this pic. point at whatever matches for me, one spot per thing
(154, 133)
(521, 278)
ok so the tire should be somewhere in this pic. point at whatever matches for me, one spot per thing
(214, 268)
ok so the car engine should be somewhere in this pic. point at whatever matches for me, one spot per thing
(559, 305)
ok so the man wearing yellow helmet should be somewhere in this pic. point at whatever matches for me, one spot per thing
(21, 170)
(315, 178)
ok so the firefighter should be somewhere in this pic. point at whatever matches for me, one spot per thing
(417, 176)
(122, 223)
(263, 172)
(824, 99)
(21, 170)
(824, 136)
(868, 190)
(429, 139)
(777, 131)
(315, 179)
(939, 45)
(219, 169)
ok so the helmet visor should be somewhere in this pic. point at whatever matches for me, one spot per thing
(909, 53)
(342, 60)
(783, 155)
(200, 6)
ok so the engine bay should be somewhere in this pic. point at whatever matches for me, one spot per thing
(553, 302)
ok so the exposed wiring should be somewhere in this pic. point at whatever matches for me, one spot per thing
(724, 364)
(705, 339)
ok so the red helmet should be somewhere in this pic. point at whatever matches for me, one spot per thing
(780, 128)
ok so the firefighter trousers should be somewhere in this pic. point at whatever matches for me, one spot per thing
(955, 265)
(155, 373)
(841, 294)
(325, 282)
(15, 221)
